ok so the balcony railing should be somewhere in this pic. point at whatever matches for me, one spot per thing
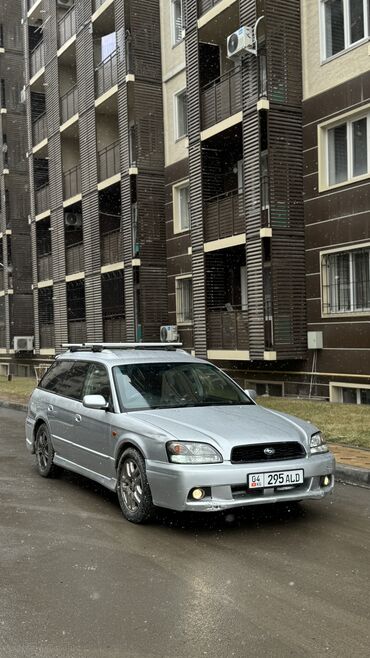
(42, 198)
(111, 247)
(205, 5)
(39, 129)
(227, 329)
(221, 98)
(114, 329)
(72, 182)
(67, 26)
(106, 74)
(46, 335)
(37, 59)
(132, 145)
(69, 104)
(77, 331)
(45, 267)
(224, 216)
(109, 161)
(74, 258)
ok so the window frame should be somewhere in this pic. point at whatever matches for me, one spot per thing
(347, 30)
(177, 135)
(176, 205)
(175, 42)
(323, 129)
(185, 323)
(325, 282)
(336, 392)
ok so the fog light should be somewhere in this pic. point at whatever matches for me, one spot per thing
(325, 481)
(198, 494)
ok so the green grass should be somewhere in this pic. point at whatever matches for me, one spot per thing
(347, 424)
(18, 389)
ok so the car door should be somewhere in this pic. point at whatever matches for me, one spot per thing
(92, 426)
(69, 406)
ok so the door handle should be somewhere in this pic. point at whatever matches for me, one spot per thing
(50, 407)
(78, 418)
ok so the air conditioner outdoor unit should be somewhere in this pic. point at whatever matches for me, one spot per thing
(240, 42)
(65, 3)
(73, 219)
(23, 343)
(168, 334)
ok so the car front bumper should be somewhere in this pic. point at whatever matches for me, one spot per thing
(226, 483)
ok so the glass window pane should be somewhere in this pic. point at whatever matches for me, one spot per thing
(108, 45)
(54, 378)
(73, 384)
(356, 11)
(339, 283)
(182, 114)
(184, 299)
(359, 138)
(98, 382)
(361, 269)
(334, 27)
(349, 395)
(184, 207)
(177, 20)
(365, 396)
(337, 152)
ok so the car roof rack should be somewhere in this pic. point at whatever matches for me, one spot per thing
(99, 347)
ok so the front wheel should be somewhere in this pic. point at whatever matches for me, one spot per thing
(133, 490)
(44, 452)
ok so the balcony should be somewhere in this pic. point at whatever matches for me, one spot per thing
(74, 258)
(111, 247)
(227, 329)
(67, 26)
(114, 329)
(46, 335)
(221, 98)
(39, 129)
(77, 331)
(205, 5)
(42, 198)
(72, 182)
(224, 216)
(36, 59)
(109, 161)
(106, 74)
(69, 104)
(45, 267)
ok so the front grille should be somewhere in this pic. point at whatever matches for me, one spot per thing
(255, 453)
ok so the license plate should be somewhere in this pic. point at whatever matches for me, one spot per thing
(275, 479)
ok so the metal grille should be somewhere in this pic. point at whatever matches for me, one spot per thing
(255, 453)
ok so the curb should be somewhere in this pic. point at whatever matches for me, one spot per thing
(353, 475)
(347, 474)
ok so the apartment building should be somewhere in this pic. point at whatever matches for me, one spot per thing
(233, 170)
(336, 105)
(16, 318)
(95, 143)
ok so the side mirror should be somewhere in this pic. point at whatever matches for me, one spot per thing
(251, 393)
(95, 402)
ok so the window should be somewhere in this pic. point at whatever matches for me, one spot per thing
(53, 379)
(344, 23)
(347, 150)
(73, 384)
(346, 281)
(181, 106)
(108, 45)
(350, 393)
(184, 300)
(177, 21)
(181, 208)
(98, 382)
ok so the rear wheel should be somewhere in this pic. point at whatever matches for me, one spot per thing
(44, 452)
(133, 490)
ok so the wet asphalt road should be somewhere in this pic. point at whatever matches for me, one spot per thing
(77, 580)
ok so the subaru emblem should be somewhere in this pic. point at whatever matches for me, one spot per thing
(269, 452)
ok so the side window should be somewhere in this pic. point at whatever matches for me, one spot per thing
(54, 378)
(73, 385)
(97, 382)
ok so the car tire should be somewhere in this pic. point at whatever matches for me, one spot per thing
(44, 452)
(133, 490)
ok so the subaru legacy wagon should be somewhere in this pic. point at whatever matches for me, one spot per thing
(165, 429)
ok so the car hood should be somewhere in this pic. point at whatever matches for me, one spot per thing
(227, 426)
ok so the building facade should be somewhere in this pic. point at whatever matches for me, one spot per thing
(95, 128)
(336, 106)
(16, 318)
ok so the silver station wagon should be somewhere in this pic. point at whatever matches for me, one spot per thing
(165, 429)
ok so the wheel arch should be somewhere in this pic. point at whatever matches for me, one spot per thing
(128, 442)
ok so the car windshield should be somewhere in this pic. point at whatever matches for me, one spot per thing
(173, 385)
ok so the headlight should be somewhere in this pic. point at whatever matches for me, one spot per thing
(317, 444)
(189, 452)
